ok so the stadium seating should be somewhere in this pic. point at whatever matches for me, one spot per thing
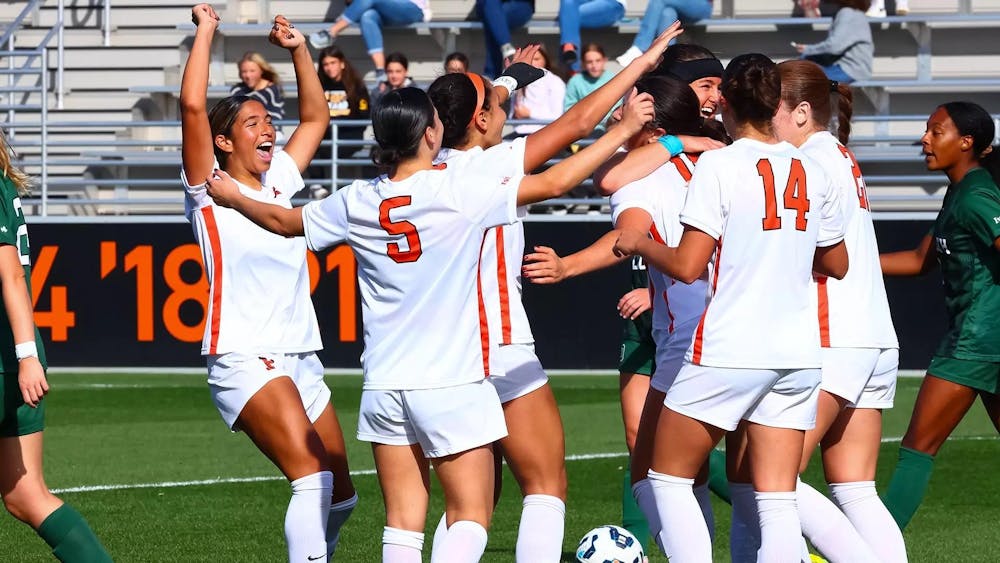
(116, 137)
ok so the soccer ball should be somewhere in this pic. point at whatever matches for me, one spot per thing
(609, 544)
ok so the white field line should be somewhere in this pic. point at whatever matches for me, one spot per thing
(359, 472)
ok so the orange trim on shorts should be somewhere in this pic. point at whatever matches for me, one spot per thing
(216, 245)
(824, 312)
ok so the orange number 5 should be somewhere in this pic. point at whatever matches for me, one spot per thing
(404, 228)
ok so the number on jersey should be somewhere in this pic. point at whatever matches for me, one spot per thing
(795, 195)
(859, 183)
(404, 228)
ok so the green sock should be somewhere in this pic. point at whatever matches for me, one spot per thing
(908, 485)
(632, 518)
(70, 538)
(718, 483)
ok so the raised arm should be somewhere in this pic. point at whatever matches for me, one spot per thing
(916, 262)
(567, 174)
(581, 119)
(279, 220)
(638, 163)
(197, 152)
(314, 114)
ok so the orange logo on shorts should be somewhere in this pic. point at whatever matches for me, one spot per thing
(269, 364)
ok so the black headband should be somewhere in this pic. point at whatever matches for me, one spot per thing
(689, 71)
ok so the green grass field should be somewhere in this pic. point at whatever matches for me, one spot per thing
(188, 490)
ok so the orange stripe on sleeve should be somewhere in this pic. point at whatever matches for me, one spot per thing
(215, 244)
(824, 312)
(502, 285)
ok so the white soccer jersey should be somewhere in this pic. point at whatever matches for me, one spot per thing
(503, 246)
(661, 195)
(258, 281)
(854, 311)
(768, 206)
(417, 243)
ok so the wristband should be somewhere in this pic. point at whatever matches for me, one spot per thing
(25, 350)
(507, 82)
(521, 73)
(673, 145)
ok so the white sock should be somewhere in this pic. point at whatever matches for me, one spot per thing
(744, 533)
(465, 541)
(871, 519)
(440, 532)
(540, 536)
(339, 513)
(701, 494)
(684, 536)
(401, 546)
(642, 492)
(307, 514)
(828, 529)
(780, 532)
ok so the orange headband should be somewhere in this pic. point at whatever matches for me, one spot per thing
(477, 81)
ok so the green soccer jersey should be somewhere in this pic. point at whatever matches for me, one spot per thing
(14, 232)
(964, 233)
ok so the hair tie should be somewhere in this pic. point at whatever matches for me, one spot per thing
(834, 86)
(477, 82)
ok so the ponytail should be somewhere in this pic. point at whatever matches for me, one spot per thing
(845, 110)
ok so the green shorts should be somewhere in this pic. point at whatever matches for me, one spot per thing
(979, 375)
(638, 351)
(17, 418)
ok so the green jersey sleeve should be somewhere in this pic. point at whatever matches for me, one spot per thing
(981, 215)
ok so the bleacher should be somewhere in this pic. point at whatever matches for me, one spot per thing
(111, 134)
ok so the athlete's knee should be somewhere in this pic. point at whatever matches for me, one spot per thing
(27, 502)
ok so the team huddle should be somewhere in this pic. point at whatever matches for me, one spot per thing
(770, 325)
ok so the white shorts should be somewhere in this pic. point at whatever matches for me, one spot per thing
(866, 377)
(235, 377)
(783, 398)
(523, 372)
(444, 421)
(671, 348)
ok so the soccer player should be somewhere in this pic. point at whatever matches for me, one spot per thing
(965, 240)
(755, 358)
(417, 232)
(261, 335)
(22, 397)
(699, 68)
(860, 350)
(534, 446)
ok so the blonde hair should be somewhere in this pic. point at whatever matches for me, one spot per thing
(266, 70)
(17, 176)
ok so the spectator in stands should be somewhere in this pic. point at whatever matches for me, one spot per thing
(394, 77)
(587, 14)
(371, 15)
(260, 81)
(658, 17)
(594, 76)
(814, 8)
(877, 9)
(456, 62)
(347, 98)
(847, 52)
(499, 17)
(542, 99)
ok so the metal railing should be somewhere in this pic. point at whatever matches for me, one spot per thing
(132, 168)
